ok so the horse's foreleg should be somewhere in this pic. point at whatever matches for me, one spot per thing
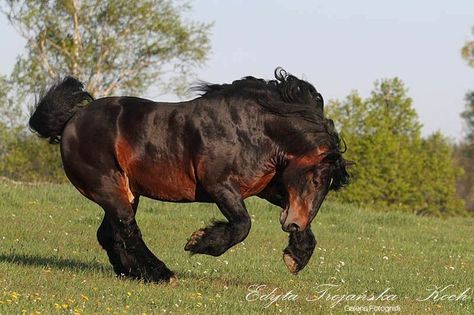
(299, 250)
(218, 237)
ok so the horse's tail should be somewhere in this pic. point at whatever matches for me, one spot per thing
(57, 106)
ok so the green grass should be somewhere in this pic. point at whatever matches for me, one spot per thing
(50, 261)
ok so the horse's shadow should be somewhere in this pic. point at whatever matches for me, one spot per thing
(52, 262)
(62, 263)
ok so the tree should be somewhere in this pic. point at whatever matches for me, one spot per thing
(111, 46)
(10, 115)
(465, 155)
(395, 167)
(439, 174)
(468, 116)
(22, 155)
(465, 150)
(467, 51)
(4, 90)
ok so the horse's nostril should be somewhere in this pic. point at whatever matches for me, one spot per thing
(292, 227)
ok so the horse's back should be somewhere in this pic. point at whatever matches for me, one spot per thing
(138, 141)
(166, 151)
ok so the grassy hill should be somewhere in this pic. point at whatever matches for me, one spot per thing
(50, 261)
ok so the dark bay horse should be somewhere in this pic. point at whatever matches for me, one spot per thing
(248, 138)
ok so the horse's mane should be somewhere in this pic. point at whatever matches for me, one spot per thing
(287, 96)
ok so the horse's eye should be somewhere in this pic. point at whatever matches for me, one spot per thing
(316, 181)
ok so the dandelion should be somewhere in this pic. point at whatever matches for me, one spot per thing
(385, 257)
(14, 295)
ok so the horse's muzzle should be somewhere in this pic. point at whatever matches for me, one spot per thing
(288, 224)
(292, 227)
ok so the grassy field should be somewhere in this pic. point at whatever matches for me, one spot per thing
(50, 261)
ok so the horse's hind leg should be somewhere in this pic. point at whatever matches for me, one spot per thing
(133, 257)
(118, 234)
(105, 236)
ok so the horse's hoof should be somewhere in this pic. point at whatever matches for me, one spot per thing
(193, 240)
(174, 281)
(291, 264)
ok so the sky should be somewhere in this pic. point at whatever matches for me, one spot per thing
(338, 46)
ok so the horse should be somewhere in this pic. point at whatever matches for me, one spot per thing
(251, 137)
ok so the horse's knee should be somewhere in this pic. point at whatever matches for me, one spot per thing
(242, 229)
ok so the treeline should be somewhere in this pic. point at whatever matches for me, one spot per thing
(115, 47)
(396, 168)
(125, 46)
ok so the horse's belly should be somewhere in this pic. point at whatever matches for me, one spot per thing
(163, 182)
(164, 179)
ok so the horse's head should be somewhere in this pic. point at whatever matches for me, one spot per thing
(307, 180)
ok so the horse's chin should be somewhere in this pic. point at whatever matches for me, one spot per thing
(283, 215)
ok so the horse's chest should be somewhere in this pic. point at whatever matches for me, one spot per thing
(255, 185)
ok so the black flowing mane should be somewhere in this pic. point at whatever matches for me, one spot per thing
(288, 96)
(285, 96)
(286, 88)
